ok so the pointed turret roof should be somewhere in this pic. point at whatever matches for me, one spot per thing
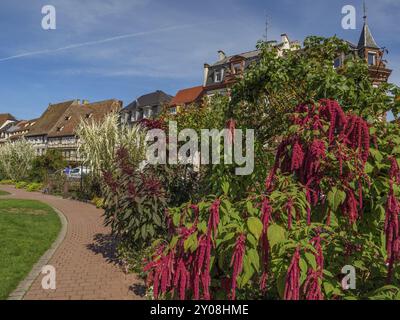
(366, 39)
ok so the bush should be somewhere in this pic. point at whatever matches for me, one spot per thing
(134, 202)
(34, 187)
(47, 164)
(98, 202)
(8, 182)
(21, 185)
(330, 197)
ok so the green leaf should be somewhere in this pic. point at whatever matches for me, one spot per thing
(250, 208)
(248, 271)
(173, 242)
(144, 232)
(255, 226)
(376, 155)
(311, 260)
(225, 188)
(191, 242)
(276, 234)
(335, 198)
(176, 219)
(328, 287)
(303, 266)
(254, 258)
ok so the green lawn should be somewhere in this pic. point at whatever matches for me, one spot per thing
(27, 230)
(3, 193)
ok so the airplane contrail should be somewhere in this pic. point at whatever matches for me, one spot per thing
(90, 43)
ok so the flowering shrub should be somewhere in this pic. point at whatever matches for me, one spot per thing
(134, 201)
(331, 195)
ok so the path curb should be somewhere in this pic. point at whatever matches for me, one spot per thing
(24, 285)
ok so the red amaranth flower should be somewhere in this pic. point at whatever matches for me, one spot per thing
(392, 219)
(266, 210)
(333, 113)
(150, 124)
(292, 285)
(214, 218)
(289, 209)
(231, 126)
(350, 207)
(356, 135)
(237, 262)
(297, 157)
(181, 279)
(110, 181)
(312, 287)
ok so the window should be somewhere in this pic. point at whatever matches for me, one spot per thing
(371, 58)
(337, 63)
(237, 68)
(147, 113)
(155, 110)
(139, 115)
(218, 75)
(172, 110)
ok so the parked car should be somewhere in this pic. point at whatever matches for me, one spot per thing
(78, 172)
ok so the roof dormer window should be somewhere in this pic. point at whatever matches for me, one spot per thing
(337, 63)
(218, 75)
(67, 118)
(372, 58)
(59, 129)
(237, 68)
(89, 115)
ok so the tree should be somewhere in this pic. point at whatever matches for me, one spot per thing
(276, 85)
(44, 165)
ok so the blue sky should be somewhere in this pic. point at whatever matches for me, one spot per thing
(168, 43)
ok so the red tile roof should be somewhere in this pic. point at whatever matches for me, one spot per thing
(50, 117)
(4, 117)
(70, 120)
(187, 96)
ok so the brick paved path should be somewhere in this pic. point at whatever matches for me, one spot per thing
(86, 268)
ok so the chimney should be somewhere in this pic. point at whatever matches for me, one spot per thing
(221, 55)
(206, 68)
(84, 101)
(285, 41)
